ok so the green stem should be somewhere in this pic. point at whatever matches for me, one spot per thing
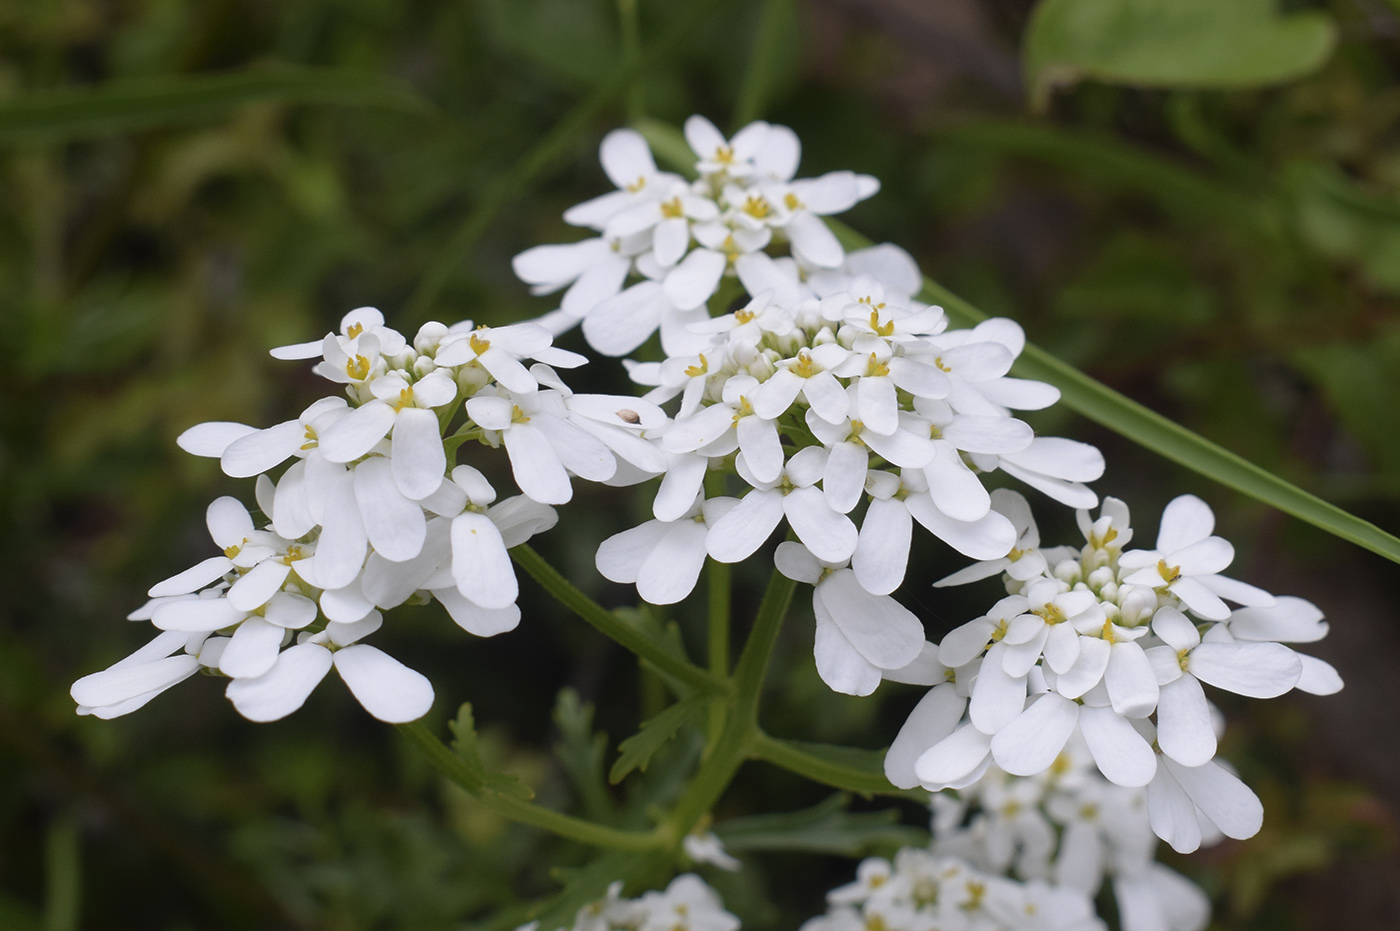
(719, 597)
(849, 774)
(729, 751)
(758, 77)
(529, 813)
(610, 624)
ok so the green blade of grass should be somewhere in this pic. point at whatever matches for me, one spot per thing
(74, 113)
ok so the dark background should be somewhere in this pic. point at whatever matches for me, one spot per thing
(1229, 256)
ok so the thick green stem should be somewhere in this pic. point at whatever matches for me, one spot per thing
(516, 809)
(610, 624)
(740, 724)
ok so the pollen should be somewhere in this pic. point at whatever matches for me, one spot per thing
(695, 371)
(791, 202)
(517, 415)
(1051, 614)
(294, 553)
(637, 185)
(357, 368)
(745, 409)
(876, 368)
(355, 330)
(310, 439)
(743, 316)
(1168, 573)
(479, 345)
(939, 362)
(724, 154)
(672, 209)
(804, 365)
(880, 329)
(232, 551)
(757, 206)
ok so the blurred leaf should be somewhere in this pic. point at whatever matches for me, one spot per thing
(575, 41)
(582, 752)
(17, 915)
(823, 828)
(637, 750)
(1139, 279)
(1171, 43)
(111, 109)
(1344, 221)
(1361, 381)
(464, 744)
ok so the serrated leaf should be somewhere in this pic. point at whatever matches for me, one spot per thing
(111, 109)
(637, 750)
(468, 750)
(582, 752)
(1171, 43)
(825, 828)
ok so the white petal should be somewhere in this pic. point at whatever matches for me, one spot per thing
(1259, 670)
(839, 663)
(1121, 753)
(952, 758)
(669, 240)
(990, 537)
(285, 687)
(122, 683)
(480, 565)
(669, 572)
(736, 535)
(626, 157)
(1319, 677)
(341, 548)
(355, 434)
(932, 719)
(395, 526)
(813, 242)
(1029, 744)
(956, 489)
(290, 505)
(963, 644)
(997, 698)
(1088, 670)
(763, 451)
(691, 283)
(1132, 685)
(417, 454)
(474, 619)
(623, 322)
(228, 522)
(1230, 804)
(830, 536)
(193, 578)
(1171, 812)
(254, 589)
(536, 467)
(621, 555)
(1185, 520)
(882, 548)
(1175, 629)
(882, 629)
(1184, 730)
(387, 689)
(211, 439)
(290, 610)
(258, 452)
(844, 480)
(196, 614)
(252, 650)
(1290, 620)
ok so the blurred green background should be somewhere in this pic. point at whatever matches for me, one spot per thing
(1196, 202)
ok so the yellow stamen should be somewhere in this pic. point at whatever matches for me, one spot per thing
(355, 330)
(939, 362)
(637, 185)
(724, 155)
(757, 206)
(880, 330)
(695, 371)
(804, 365)
(478, 344)
(672, 209)
(876, 368)
(357, 368)
(517, 415)
(1168, 573)
(1051, 614)
(405, 398)
(791, 202)
(743, 316)
(310, 439)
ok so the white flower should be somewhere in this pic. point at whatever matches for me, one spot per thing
(663, 558)
(707, 848)
(828, 534)
(858, 634)
(687, 904)
(170, 658)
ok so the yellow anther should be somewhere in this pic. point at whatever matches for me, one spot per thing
(743, 316)
(1110, 536)
(857, 428)
(934, 433)
(999, 631)
(744, 409)
(355, 330)
(730, 248)
(804, 365)
(724, 154)
(1183, 659)
(637, 185)
(232, 551)
(950, 675)
(672, 208)
(791, 202)
(875, 923)
(1010, 809)
(876, 368)
(695, 371)
(478, 344)
(1168, 573)
(357, 368)
(939, 362)
(975, 892)
(682, 908)
(1107, 632)
(1060, 766)
(405, 398)
(1051, 614)
(880, 330)
(517, 415)
(1089, 811)
(757, 206)
(294, 553)
(868, 300)
(310, 439)
(877, 881)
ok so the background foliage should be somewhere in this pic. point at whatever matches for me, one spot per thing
(1197, 203)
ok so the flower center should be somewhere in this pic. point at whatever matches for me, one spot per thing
(672, 209)
(876, 368)
(357, 368)
(757, 206)
(355, 330)
(695, 371)
(1168, 573)
(479, 344)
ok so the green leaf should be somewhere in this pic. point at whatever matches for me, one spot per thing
(1171, 43)
(464, 744)
(637, 750)
(582, 751)
(112, 109)
(824, 828)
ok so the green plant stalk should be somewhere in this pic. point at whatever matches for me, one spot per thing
(587, 832)
(728, 753)
(610, 624)
(794, 759)
(719, 597)
(631, 53)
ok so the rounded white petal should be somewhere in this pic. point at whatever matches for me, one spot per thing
(691, 283)
(1132, 685)
(1184, 729)
(536, 467)
(252, 650)
(259, 584)
(736, 535)
(196, 615)
(228, 522)
(839, 663)
(1122, 755)
(932, 719)
(1230, 804)
(953, 758)
(481, 566)
(474, 619)
(122, 683)
(669, 572)
(997, 698)
(880, 628)
(258, 452)
(621, 323)
(387, 689)
(830, 536)
(1259, 670)
(1186, 520)
(1029, 744)
(417, 454)
(212, 438)
(355, 434)
(882, 547)
(395, 526)
(193, 578)
(285, 687)
(1171, 812)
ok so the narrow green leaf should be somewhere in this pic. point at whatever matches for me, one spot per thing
(1171, 43)
(849, 768)
(824, 828)
(467, 748)
(111, 109)
(773, 42)
(581, 751)
(637, 750)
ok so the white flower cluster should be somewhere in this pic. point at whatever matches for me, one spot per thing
(681, 237)
(1072, 828)
(368, 515)
(1111, 646)
(687, 904)
(922, 890)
